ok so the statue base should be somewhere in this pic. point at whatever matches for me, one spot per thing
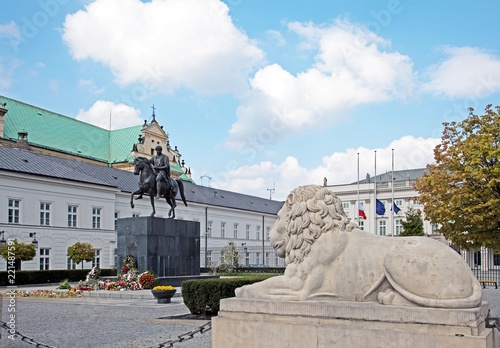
(265, 323)
(167, 247)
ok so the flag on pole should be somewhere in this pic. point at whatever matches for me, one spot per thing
(380, 207)
(395, 208)
(361, 211)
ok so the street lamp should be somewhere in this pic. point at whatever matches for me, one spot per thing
(244, 245)
(34, 242)
(2, 241)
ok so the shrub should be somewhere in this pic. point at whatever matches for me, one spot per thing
(203, 296)
(51, 276)
(64, 284)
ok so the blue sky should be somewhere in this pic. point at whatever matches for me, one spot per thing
(260, 94)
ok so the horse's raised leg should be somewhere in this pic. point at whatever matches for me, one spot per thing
(132, 197)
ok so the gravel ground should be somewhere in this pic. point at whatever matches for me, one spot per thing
(105, 323)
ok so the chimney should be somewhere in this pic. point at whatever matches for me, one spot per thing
(3, 111)
(22, 140)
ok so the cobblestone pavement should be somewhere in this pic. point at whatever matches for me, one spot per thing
(97, 322)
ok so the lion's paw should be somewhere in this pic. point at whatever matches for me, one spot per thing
(386, 297)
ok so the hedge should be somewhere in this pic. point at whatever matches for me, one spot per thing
(50, 276)
(203, 296)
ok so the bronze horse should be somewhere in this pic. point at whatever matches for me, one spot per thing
(147, 184)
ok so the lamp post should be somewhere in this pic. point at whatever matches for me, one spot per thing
(244, 245)
(34, 241)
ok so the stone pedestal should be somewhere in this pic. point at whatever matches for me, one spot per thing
(168, 247)
(263, 323)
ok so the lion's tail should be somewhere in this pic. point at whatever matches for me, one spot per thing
(474, 300)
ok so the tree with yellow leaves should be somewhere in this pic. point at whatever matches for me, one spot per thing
(461, 191)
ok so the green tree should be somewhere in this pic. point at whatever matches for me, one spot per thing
(15, 252)
(413, 225)
(461, 191)
(229, 258)
(79, 252)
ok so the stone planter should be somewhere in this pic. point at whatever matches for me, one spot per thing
(163, 296)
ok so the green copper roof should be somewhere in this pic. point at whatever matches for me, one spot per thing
(58, 132)
(121, 142)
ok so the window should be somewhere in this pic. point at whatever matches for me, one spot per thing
(235, 231)
(209, 228)
(70, 264)
(382, 227)
(345, 206)
(247, 258)
(116, 218)
(257, 258)
(14, 211)
(44, 259)
(268, 229)
(72, 214)
(257, 232)
(276, 260)
(435, 228)
(44, 214)
(361, 224)
(399, 203)
(96, 218)
(96, 262)
(267, 259)
(209, 258)
(399, 227)
(223, 230)
(247, 232)
(136, 215)
(496, 257)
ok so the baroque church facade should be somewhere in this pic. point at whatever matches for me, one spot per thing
(64, 181)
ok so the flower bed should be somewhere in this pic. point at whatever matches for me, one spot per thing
(45, 293)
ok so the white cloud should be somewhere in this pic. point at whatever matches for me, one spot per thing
(122, 115)
(276, 37)
(10, 34)
(351, 69)
(53, 85)
(90, 86)
(165, 44)
(466, 72)
(339, 168)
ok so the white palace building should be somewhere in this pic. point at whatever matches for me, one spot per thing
(397, 188)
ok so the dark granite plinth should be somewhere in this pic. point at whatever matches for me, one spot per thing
(166, 246)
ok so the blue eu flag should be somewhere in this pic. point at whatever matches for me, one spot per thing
(380, 208)
(395, 208)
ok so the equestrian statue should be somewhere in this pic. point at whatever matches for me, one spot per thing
(155, 180)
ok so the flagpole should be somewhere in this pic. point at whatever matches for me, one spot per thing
(358, 191)
(375, 201)
(393, 203)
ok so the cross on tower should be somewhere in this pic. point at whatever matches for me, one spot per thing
(154, 116)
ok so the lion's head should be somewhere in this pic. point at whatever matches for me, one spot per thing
(308, 212)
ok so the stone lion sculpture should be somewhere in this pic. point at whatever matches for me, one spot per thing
(330, 258)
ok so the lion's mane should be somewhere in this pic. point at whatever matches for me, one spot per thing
(311, 211)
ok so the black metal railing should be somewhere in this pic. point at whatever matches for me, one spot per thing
(490, 274)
